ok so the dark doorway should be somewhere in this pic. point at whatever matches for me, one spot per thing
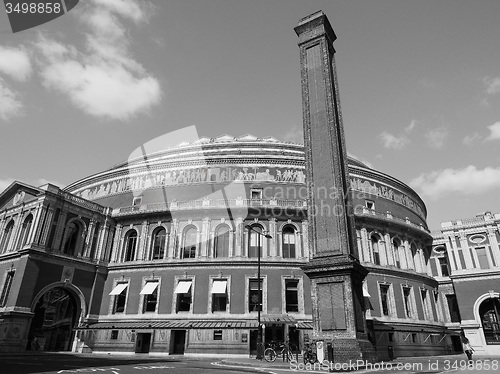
(275, 333)
(143, 342)
(293, 337)
(178, 341)
(253, 342)
(52, 325)
(456, 342)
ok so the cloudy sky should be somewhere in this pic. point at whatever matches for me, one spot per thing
(419, 85)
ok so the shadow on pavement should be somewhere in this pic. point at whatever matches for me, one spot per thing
(41, 362)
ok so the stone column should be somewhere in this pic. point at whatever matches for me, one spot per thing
(61, 225)
(117, 248)
(47, 226)
(389, 250)
(88, 239)
(365, 246)
(305, 240)
(205, 238)
(142, 250)
(172, 244)
(239, 237)
(466, 252)
(273, 231)
(36, 222)
(494, 245)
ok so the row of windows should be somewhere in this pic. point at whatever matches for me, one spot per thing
(416, 259)
(221, 243)
(9, 230)
(388, 303)
(219, 295)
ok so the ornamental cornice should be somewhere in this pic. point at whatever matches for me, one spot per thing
(467, 276)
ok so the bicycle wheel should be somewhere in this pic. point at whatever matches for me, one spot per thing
(313, 358)
(270, 355)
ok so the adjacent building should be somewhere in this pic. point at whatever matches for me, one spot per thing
(465, 260)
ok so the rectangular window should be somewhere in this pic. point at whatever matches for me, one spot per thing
(443, 263)
(453, 308)
(292, 296)
(414, 337)
(384, 299)
(407, 301)
(256, 194)
(219, 295)
(183, 292)
(217, 334)
(482, 257)
(391, 336)
(150, 292)
(254, 296)
(120, 294)
(114, 334)
(6, 288)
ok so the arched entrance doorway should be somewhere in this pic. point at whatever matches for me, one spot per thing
(490, 318)
(52, 325)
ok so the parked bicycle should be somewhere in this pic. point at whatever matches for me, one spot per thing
(309, 354)
(278, 350)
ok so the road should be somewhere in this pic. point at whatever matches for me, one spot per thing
(75, 363)
(54, 363)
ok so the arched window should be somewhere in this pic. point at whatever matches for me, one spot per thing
(158, 243)
(71, 238)
(375, 249)
(25, 231)
(395, 249)
(489, 311)
(130, 245)
(288, 242)
(221, 242)
(255, 245)
(190, 243)
(7, 233)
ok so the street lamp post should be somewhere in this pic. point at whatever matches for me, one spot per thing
(259, 328)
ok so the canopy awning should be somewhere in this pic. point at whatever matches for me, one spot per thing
(219, 286)
(305, 325)
(175, 324)
(284, 319)
(149, 288)
(183, 287)
(118, 289)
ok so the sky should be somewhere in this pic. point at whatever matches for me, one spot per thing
(419, 87)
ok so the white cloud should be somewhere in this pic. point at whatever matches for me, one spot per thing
(411, 126)
(15, 62)
(393, 142)
(436, 138)
(494, 131)
(104, 80)
(10, 105)
(466, 181)
(472, 139)
(492, 85)
(295, 135)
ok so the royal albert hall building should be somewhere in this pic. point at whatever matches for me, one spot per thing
(160, 255)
